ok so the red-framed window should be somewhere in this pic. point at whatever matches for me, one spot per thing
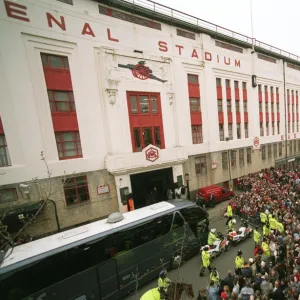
(228, 105)
(145, 119)
(8, 196)
(76, 190)
(261, 129)
(278, 127)
(61, 101)
(238, 130)
(244, 84)
(230, 134)
(195, 104)
(220, 105)
(246, 130)
(221, 132)
(4, 154)
(197, 135)
(55, 62)
(237, 106)
(68, 144)
(219, 89)
(201, 165)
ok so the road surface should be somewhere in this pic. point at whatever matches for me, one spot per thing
(189, 272)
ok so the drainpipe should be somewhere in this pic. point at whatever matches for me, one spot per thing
(56, 215)
(285, 115)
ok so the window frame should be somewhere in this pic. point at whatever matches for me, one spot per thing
(246, 129)
(76, 186)
(197, 135)
(263, 152)
(55, 102)
(221, 132)
(241, 157)
(230, 131)
(64, 59)
(201, 165)
(5, 160)
(233, 158)
(220, 105)
(197, 105)
(249, 155)
(14, 192)
(269, 151)
(225, 160)
(76, 140)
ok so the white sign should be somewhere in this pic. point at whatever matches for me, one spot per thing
(102, 189)
(292, 159)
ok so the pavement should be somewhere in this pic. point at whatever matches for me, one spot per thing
(189, 271)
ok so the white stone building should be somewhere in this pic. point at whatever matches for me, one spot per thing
(122, 102)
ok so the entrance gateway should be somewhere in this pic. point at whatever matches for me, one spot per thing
(151, 187)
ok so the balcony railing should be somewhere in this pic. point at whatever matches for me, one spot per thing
(155, 10)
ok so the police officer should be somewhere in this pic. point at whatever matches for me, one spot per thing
(229, 213)
(266, 247)
(205, 261)
(256, 236)
(214, 276)
(212, 237)
(280, 227)
(266, 229)
(239, 262)
(230, 224)
(272, 222)
(263, 218)
(163, 284)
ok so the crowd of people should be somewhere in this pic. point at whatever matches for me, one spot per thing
(271, 198)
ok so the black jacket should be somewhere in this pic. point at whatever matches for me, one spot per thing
(227, 281)
(277, 295)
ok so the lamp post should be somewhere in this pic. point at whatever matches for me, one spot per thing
(187, 180)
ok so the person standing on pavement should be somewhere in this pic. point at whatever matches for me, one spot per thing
(229, 213)
(205, 261)
(256, 236)
(239, 262)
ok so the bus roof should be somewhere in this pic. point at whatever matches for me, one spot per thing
(31, 252)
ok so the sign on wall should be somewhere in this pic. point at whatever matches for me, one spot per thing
(256, 143)
(103, 189)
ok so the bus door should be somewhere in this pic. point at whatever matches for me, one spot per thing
(108, 280)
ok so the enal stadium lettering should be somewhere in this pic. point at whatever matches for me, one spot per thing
(19, 12)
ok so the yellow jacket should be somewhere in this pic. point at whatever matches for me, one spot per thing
(273, 223)
(266, 230)
(280, 227)
(205, 258)
(239, 262)
(266, 249)
(263, 217)
(257, 236)
(229, 211)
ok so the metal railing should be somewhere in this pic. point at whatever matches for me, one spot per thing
(177, 15)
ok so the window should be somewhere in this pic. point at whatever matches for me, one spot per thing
(238, 130)
(272, 107)
(68, 144)
(277, 107)
(220, 106)
(269, 151)
(246, 130)
(195, 104)
(193, 78)
(61, 101)
(259, 87)
(241, 157)
(237, 106)
(295, 146)
(289, 127)
(272, 90)
(266, 88)
(233, 158)
(236, 84)
(147, 136)
(261, 129)
(244, 85)
(277, 90)
(267, 107)
(221, 132)
(224, 160)
(260, 107)
(218, 81)
(267, 128)
(230, 136)
(4, 154)
(273, 128)
(263, 152)
(55, 62)
(76, 190)
(249, 156)
(275, 150)
(245, 106)
(291, 147)
(228, 105)
(8, 195)
(278, 127)
(227, 81)
(200, 165)
(280, 149)
(197, 134)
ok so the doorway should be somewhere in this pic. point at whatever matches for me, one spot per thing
(151, 187)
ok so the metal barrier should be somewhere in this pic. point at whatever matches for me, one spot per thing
(179, 16)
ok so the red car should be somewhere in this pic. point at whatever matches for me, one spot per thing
(220, 194)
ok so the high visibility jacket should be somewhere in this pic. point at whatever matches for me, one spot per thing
(239, 262)
(229, 225)
(257, 236)
(163, 283)
(229, 211)
(211, 239)
(266, 230)
(280, 227)
(263, 217)
(273, 223)
(205, 258)
(266, 249)
(214, 278)
(152, 294)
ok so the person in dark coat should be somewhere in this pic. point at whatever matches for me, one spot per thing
(227, 281)
(277, 293)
